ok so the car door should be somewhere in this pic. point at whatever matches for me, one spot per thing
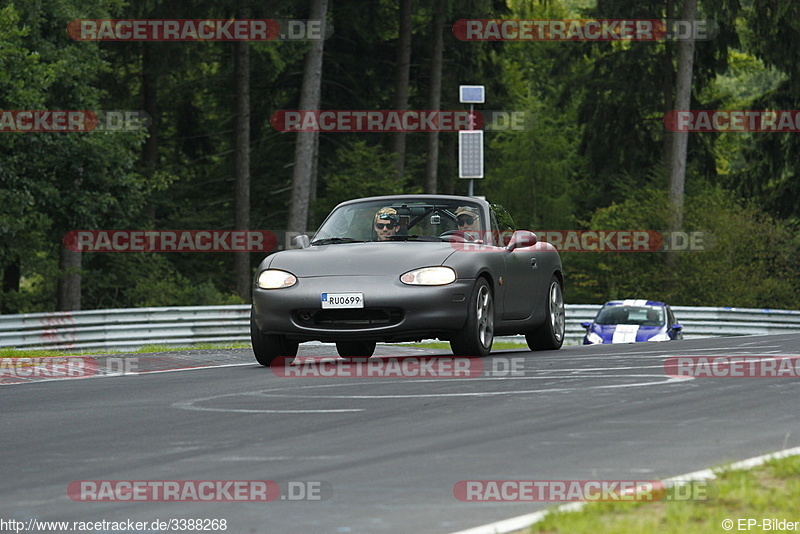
(523, 282)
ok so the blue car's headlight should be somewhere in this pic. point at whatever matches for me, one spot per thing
(593, 338)
(275, 279)
(429, 276)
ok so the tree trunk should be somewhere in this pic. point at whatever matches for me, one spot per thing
(69, 281)
(150, 104)
(435, 100)
(668, 82)
(304, 147)
(683, 100)
(312, 190)
(449, 165)
(403, 67)
(11, 277)
(242, 158)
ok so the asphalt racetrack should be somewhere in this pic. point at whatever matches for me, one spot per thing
(376, 454)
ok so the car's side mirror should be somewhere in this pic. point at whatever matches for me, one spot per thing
(677, 327)
(586, 324)
(301, 241)
(521, 239)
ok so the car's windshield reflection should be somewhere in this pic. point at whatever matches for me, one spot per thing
(635, 315)
(411, 220)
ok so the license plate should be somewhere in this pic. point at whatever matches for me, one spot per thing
(342, 300)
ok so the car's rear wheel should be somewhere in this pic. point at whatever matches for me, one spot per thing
(478, 333)
(550, 336)
(269, 347)
(355, 349)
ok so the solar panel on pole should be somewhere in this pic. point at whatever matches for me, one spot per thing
(470, 154)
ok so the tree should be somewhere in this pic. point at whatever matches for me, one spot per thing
(82, 179)
(242, 156)
(676, 163)
(304, 148)
(772, 167)
(402, 68)
(435, 97)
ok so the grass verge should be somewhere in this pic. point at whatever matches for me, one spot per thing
(46, 353)
(763, 494)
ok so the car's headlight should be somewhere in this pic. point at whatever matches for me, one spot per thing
(429, 276)
(663, 336)
(275, 279)
(593, 338)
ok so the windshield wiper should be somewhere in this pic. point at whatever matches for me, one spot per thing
(413, 237)
(335, 240)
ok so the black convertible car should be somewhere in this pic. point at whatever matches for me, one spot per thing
(407, 268)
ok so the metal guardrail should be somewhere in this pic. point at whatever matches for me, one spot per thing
(126, 329)
(130, 329)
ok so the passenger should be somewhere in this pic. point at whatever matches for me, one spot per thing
(386, 223)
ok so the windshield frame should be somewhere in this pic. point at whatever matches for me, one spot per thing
(420, 218)
(606, 315)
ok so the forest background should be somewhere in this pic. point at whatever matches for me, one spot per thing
(597, 157)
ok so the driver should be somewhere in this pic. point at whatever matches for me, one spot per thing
(652, 317)
(468, 221)
(386, 223)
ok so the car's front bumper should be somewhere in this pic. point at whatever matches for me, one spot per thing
(392, 311)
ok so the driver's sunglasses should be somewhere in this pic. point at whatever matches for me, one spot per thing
(381, 226)
(465, 219)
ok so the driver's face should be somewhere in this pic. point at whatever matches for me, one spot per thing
(467, 222)
(385, 229)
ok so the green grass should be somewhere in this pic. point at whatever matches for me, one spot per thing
(45, 353)
(770, 491)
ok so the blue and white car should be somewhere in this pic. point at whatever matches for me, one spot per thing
(631, 321)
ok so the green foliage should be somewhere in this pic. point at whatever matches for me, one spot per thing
(591, 156)
(749, 259)
(144, 279)
(360, 170)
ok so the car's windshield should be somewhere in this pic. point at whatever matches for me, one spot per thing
(636, 315)
(400, 220)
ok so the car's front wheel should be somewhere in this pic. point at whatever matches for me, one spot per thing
(355, 349)
(550, 336)
(476, 338)
(269, 347)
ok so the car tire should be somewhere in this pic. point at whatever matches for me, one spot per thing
(355, 349)
(269, 347)
(477, 336)
(550, 336)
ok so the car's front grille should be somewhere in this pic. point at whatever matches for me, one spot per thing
(349, 318)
